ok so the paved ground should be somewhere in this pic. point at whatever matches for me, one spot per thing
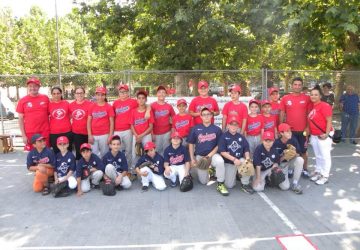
(201, 219)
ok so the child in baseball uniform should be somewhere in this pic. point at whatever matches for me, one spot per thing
(275, 104)
(65, 165)
(266, 158)
(254, 126)
(40, 160)
(182, 121)
(100, 123)
(88, 169)
(234, 148)
(154, 171)
(163, 114)
(177, 160)
(115, 163)
(270, 123)
(203, 143)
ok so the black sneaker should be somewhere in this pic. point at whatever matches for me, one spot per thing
(95, 186)
(145, 188)
(119, 187)
(247, 189)
(172, 184)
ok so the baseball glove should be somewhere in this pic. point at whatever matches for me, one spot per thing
(289, 152)
(108, 187)
(277, 176)
(146, 164)
(139, 150)
(85, 173)
(246, 168)
(204, 163)
(186, 184)
(60, 189)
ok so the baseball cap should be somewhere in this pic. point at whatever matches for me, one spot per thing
(181, 101)
(101, 90)
(254, 101)
(85, 146)
(235, 88)
(160, 88)
(233, 119)
(149, 145)
(273, 89)
(175, 134)
(268, 135)
(142, 92)
(203, 84)
(123, 86)
(283, 127)
(33, 80)
(36, 137)
(62, 139)
(264, 102)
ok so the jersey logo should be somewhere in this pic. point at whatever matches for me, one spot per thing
(253, 126)
(312, 114)
(161, 113)
(181, 124)
(269, 124)
(302, 102)
(121, 110)
(267, 162)
(289, 103)
(78, 114)
(29, 104)
(63, 167)
(58, 114)
(140, 121)
(99, 114)
(176, 159)
(233, 112)
(44, 160)
(234, 146)
(208, 137)
(42, 103)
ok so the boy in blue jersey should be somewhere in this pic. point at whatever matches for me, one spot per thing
(65, 166)
(89, 167)
(40, 160)
(177, 160)
(152, 173)
(116, 167)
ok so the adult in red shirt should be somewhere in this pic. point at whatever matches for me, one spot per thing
(294, 110)
(203, 101)
(163, 114)
(33, 113)
(320, 120)
(275, 104)
(100, 123)
(182, 121)
(79, 110)
(235, 108)
(59, 116)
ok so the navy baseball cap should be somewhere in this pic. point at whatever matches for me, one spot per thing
(36, 137)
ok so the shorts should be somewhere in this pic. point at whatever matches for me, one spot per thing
(302, 140)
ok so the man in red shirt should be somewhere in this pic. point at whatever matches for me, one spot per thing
(203, 101)
(294, 110)
(33, 113)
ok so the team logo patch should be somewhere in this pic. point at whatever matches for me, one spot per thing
(161, 113)
(121, 110)
(267, 162)
(234, 146)
(58, 114)
(176, 159)
(63, 167)
(289, 103)
(42, 103)
(29, 104)
(99, 114)
(78, 114)
(207, 137)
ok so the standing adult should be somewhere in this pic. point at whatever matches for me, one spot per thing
(327, 95)
(203, 101)
(79, 110)
(59, 117)
(33, 113)
(320, 119)
(294, 110)
(349, 105)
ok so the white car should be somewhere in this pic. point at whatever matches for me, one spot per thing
(8, 110)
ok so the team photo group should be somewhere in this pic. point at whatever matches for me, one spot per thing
(77, 146)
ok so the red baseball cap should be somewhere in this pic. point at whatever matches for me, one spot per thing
(233, 119)
(62, 139)
(142, 92)
(264, 102)
(85, 146)
(203, 84)
(254, 101)
(268, 135)
(160, 88)
(236, 88)
(149, 145)
(273, 89)
(101, 90)
(284, 127)
(181, 101)
(123, 86)
(33, 80)
(175, 134)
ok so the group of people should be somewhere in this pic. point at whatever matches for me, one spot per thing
(106, 138)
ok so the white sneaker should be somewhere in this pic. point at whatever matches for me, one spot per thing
(322, 180)
(315, 176)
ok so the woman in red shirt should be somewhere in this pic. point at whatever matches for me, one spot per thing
(59, 117)
(320, 119)
(79, 114)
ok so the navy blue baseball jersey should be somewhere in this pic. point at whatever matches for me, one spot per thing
(280, 146)
(204, 138)
(94, 162)
(46, 156)
(265, 159)
(158, 161)
(236, 145)
(176, 156)
(64, 164)
(118, 161)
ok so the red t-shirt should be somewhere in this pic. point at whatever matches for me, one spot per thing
(275, 111)
(36, 113)
(182, 124)
(162, 114)
(239, 110)
(59, 117)
(139, 122)
(318, 115)
(254, 125)
(122, 109)
(100, 123)
(296, 108)
(79, 114)
(198, 103)
(270, 123)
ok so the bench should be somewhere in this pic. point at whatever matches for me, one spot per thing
(6, 144)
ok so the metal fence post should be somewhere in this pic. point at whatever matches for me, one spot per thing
(2, 116)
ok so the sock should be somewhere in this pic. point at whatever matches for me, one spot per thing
(295, 182)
